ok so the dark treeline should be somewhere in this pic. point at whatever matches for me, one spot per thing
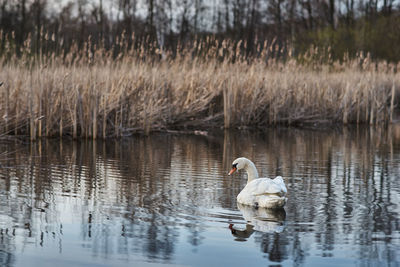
(343, 27)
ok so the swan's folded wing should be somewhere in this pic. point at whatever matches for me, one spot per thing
(266, 186)
(279, 181)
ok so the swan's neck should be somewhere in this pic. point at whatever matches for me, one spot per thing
(252, 172)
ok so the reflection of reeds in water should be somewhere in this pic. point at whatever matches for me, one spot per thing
(339, 181)
(90, 93)
(150, 185)
(312, 162)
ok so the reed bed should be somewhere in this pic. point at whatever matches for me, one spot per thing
(95, 93)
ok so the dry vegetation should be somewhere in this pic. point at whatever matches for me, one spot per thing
(95, 93)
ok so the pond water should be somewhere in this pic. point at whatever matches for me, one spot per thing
(166, 200)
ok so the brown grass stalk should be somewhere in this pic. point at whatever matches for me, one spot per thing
(105, 96)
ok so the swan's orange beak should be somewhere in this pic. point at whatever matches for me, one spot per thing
(232, 171)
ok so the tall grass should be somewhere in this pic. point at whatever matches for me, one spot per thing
(96, 93)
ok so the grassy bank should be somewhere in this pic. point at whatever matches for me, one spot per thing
(95, 94)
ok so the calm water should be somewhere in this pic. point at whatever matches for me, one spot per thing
(166, 200)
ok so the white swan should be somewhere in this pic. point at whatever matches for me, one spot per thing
(259, 192)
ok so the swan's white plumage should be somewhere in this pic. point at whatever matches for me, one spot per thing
(264, 192)
(261, 192)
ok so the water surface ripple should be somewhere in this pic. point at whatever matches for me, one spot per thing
(167, 200)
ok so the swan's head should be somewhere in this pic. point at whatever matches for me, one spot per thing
(238, 164)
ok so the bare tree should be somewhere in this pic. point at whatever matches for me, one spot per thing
(82, 20)
(38, 8)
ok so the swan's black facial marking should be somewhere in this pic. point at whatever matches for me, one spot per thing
(233, 169)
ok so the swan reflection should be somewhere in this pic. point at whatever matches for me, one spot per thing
(261, 220)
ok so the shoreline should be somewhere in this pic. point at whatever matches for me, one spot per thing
(214, 131)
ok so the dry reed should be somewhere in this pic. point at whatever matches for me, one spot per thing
(93, 93)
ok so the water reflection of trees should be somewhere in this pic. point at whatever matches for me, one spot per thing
(129, 183)
(140, 193)
(339, 183)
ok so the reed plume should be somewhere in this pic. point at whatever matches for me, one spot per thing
(95, 92)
